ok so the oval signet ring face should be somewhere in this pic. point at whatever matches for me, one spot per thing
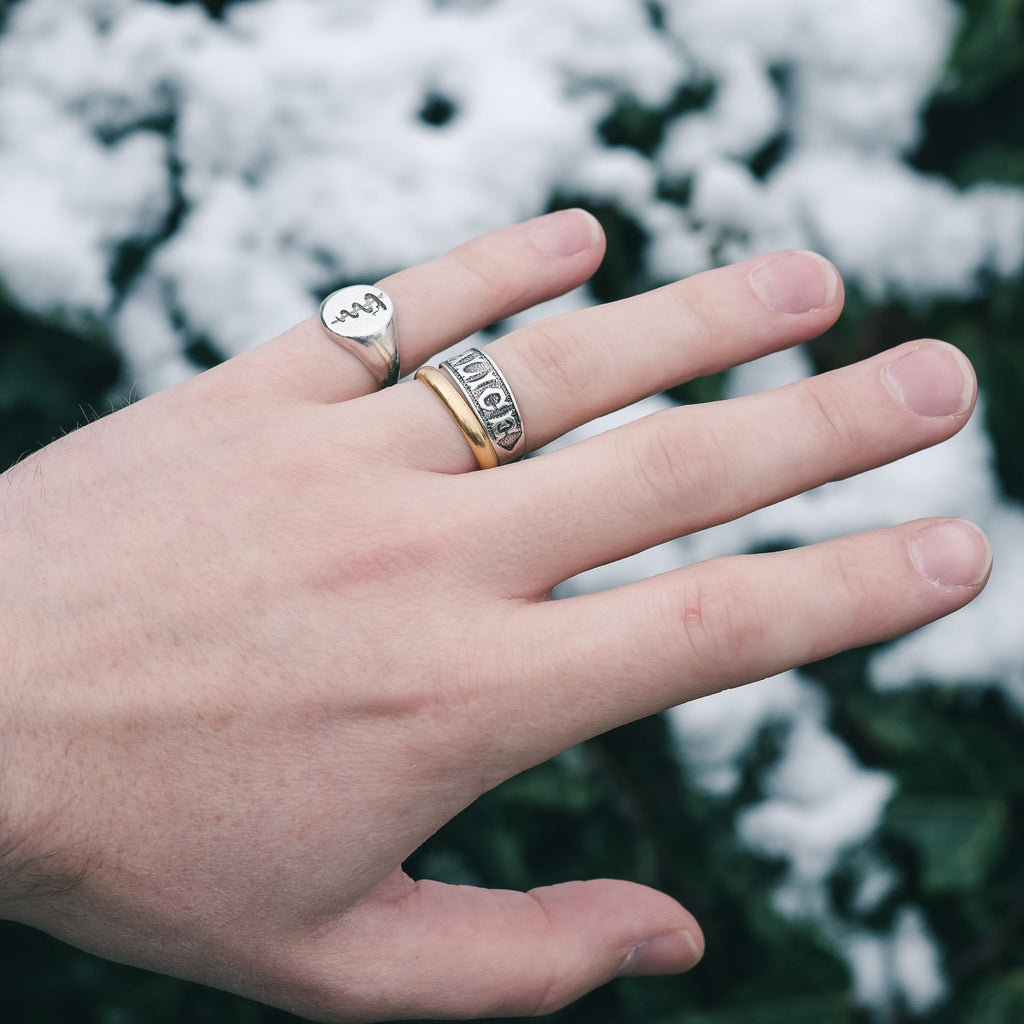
(361, 319)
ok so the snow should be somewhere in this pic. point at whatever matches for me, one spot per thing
(980, 645)
(839, 84)
(901, 967)
(297, 158)
(269, 157)
(808, 816)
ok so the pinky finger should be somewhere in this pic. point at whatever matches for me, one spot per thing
(647, 646)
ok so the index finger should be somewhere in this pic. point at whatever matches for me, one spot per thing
(439, 303)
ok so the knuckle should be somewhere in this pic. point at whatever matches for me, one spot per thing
(854, 587)
(673, 462)
(485, 274)
(826, 412)
(551, 988)
(698, 316)
(717, 618)
(562, 362)
(477, 269)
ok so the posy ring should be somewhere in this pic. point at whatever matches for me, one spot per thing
(477, 397)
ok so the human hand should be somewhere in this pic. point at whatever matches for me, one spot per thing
(265, 632)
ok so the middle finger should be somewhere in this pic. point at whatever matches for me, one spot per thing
(569, 369)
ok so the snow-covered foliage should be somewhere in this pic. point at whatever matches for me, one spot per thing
(259, 160)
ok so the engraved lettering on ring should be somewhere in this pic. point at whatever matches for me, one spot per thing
(492, 397)
(474, 370)
(482, 382)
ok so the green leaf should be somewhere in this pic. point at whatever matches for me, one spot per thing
(957, 839)
(999, 1001)
(835, 1008)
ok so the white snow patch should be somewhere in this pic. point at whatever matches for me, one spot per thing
(287, 140)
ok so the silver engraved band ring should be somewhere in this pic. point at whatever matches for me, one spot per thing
(361, 319)
(490, 397)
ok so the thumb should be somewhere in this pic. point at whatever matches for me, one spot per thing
(456, 951)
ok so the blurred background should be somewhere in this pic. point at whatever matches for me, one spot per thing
(179, 181)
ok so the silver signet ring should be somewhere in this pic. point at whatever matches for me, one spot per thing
(361, 319)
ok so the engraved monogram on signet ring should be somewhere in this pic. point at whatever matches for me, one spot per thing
(361, 319)
(485, 388)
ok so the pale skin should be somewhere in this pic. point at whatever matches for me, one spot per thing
(263, 633)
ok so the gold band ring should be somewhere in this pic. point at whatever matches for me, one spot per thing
(462, 413)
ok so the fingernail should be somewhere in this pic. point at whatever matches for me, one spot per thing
(795, 282)
(951, 553)
(565, 232)
(671, 953)
(933, 379)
